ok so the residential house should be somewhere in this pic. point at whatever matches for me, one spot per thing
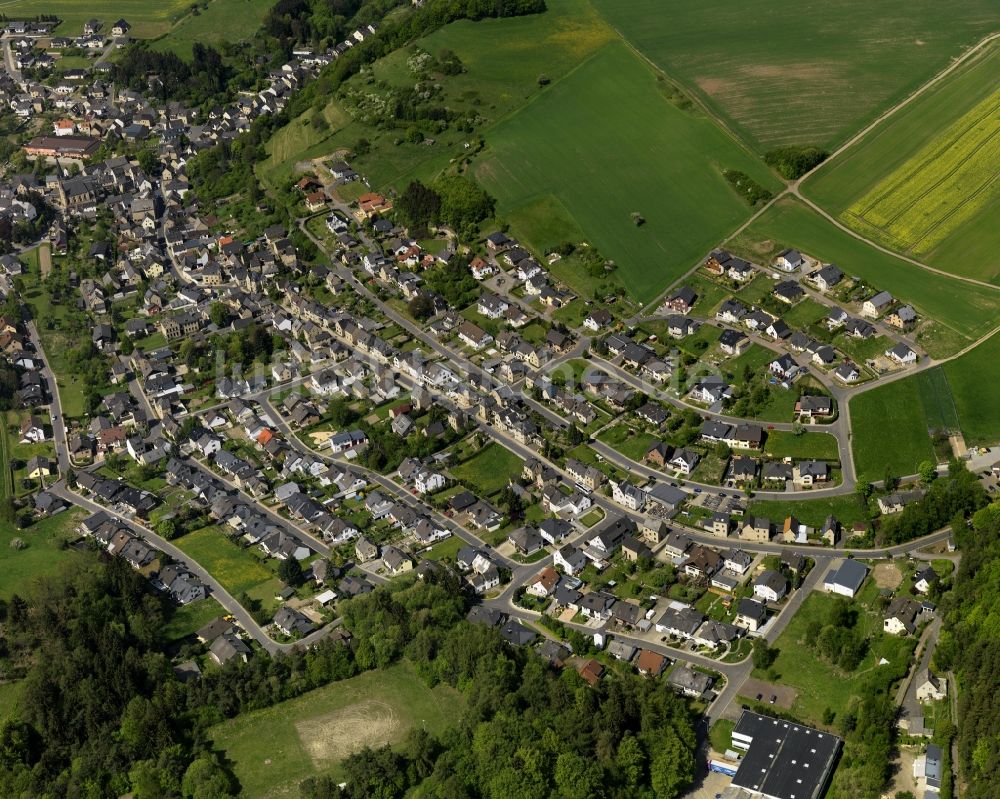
(771, 586)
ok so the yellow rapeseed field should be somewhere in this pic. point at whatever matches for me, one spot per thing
(943, 185)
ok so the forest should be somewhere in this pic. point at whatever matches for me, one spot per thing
(103, 713)
(968, 647)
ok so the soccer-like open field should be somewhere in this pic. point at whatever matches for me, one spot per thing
(927, 180)
(783, 72)
(607, 142)
(969, 310)
(273, 750)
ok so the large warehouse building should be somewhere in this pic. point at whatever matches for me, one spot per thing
(783, 760)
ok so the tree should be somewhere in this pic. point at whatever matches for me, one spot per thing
(672, 768)
(927, 472)
(218, 313)
(578, 777)
(206, 779)
(631, 761)
(421, 307)
(763, 655)
(290, 571)
(890, 481)
(167, 528)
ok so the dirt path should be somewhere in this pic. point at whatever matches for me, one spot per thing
(45, 259)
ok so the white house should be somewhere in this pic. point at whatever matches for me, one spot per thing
(771, 586)
(628, 495)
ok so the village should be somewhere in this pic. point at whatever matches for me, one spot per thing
(314, 401)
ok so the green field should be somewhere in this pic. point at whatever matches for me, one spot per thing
(502, 59)
(648, 157)
(490, 469)
(237, 569)
(810, 511)
(970, 311)
(925, 180)
(148, 19)
(889, 430)
(222, 21)
(188, 619)
(627, 440)
(780, 72)
(313, 733)
(44, 554)
(891, 423)
(819, 446)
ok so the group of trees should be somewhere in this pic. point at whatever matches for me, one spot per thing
(453, 200)
(793, 162)
(968, 647)
(838, 639)
(206, 77)
(951, 498)
(103, 713)
(453, 281)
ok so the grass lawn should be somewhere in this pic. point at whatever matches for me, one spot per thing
(591, 518)
(188, 619)
(627, 440)
(222, 21)
(10, 695)
(313, 733)
(970, 310)
(147, 19)
(819, 684)
(818, 446)
(805, 313)
(856, 58)
(237, 569)
(648, 157)
(43, 556)
(889, 430)
(812, 512)
(721, 735)
(445, 550)
(490, 469)
(874, 186)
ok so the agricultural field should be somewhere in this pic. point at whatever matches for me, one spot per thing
(818, 446)
(968, 311)
(221, 21)
(940, 189)
(147, 19)
(313, 733)
(782, 73)
(925, 181)
(649, 157)
(974, 380)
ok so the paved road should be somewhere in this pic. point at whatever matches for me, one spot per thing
(221, 595)
(906, 696)
(55, 404)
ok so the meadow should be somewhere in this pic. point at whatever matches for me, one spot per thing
(935, 130)
(44, 554)
(970, 311)
(810, 511)
(891, 423)
(489, 470)
(648, 157)
(819, 446)
(239, 570)
(819, 684)
(784, 73)
(502, 61)
(889, 430)
(313, 733)
(221, 21)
